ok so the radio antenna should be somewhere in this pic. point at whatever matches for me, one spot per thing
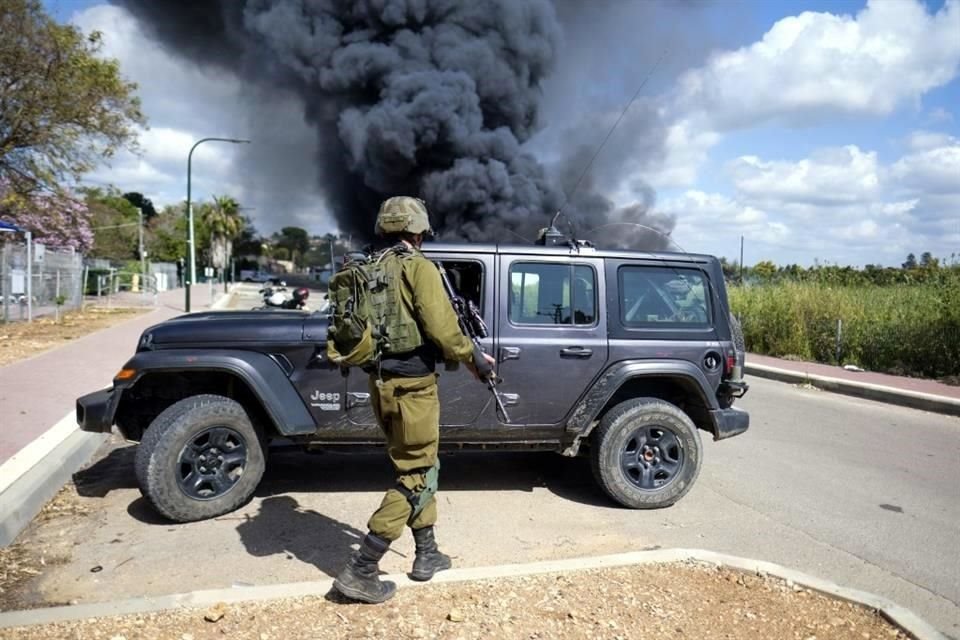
(576, 185)
(665, 236)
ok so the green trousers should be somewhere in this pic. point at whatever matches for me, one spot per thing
(408, 411)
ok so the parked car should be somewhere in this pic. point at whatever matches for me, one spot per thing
(622, 356)
(254, 276)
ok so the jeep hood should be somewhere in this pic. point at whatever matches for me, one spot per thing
(227, 328)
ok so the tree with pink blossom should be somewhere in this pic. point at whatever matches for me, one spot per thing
(58, 220)
(64, 108)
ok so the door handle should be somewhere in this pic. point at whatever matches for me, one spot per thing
(510, 399)
(509, 353)
(576, 352)
(357, 400)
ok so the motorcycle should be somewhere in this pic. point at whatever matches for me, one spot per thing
(275, 299)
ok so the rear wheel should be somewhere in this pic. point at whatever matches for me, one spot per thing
(202, 457)
(646, 453)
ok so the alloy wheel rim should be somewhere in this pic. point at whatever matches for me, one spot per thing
(211, 463)
(652, 458)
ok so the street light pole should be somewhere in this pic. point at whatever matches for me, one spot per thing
(191, 248)
(143, 263)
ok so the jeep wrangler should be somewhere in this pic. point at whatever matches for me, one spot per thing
(624, 356)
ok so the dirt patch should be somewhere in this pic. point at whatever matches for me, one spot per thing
(688, 600)
(22, 562)
(953, 381)
(20, 340)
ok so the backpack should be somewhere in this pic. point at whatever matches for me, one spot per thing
(367, 317)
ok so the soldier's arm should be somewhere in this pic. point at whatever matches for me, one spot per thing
(436, 314)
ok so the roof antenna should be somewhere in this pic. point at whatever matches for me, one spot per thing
(552, 236)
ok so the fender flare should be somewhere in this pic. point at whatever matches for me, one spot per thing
(589, 407)
(268, 382)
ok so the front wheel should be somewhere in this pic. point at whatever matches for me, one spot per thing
(202, 457)
(646, 453)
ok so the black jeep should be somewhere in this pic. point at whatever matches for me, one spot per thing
(625, 352)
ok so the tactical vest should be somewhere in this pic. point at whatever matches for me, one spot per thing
(367, 316)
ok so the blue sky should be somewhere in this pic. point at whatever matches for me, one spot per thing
(820, 131)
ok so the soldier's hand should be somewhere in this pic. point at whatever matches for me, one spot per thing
(482, 365)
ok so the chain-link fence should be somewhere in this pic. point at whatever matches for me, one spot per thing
(51, 282)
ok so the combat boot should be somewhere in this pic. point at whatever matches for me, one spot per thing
(428, 560)
(360, 579)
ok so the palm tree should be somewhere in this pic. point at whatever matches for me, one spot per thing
(222, 217)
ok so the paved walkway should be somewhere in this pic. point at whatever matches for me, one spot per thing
(38, 392)
(918, 385)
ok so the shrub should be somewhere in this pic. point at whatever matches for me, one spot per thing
(908, 329)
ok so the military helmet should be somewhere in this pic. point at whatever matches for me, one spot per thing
(403, 213)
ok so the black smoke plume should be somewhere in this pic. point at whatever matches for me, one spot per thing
(436, 98)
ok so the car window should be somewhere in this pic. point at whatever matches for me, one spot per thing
(466, 277)
(561, 294)
(656, 296)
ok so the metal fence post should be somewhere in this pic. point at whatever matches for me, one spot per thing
(29, 277)
(83, 287)
(4, 287)
(56, 297)
(839, 338)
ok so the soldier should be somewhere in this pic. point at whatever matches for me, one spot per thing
(403, 391)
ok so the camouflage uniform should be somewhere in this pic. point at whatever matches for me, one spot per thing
(407, 407)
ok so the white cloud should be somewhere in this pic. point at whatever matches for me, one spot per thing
(699, 214)
(934, 170)
(814, 65)
(686, 149)
(924, 140)
(831, 176)
(184, 103)
(940, 116)
(838, 204)
(808, 70)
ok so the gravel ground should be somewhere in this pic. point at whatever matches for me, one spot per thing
(686, 600)
(19, 340)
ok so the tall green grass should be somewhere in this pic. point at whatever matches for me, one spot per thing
(902, 329)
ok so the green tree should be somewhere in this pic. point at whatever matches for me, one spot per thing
(63, 107)
(114, 221)
(166, 238)
(928, 261)
(296, 241)
(222, 218)
(765, 270)
(911, 262)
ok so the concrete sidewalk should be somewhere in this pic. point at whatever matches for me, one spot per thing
(917, 393)
(40, 443)
(38, 392)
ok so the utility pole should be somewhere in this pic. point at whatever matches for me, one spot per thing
(333, 266)
(143, 258)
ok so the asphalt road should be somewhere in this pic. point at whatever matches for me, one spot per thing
(857, 492)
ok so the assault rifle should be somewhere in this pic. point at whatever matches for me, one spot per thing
(473, 326)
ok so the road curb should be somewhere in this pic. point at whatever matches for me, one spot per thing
(880, 393)
(224, 299)
(34, 474)
(903, 618)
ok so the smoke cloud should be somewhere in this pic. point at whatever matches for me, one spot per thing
(440, 98)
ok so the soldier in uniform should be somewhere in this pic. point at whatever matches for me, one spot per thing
(404, 397)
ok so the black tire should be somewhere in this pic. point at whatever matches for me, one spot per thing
(631, 428)
(164, 464)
